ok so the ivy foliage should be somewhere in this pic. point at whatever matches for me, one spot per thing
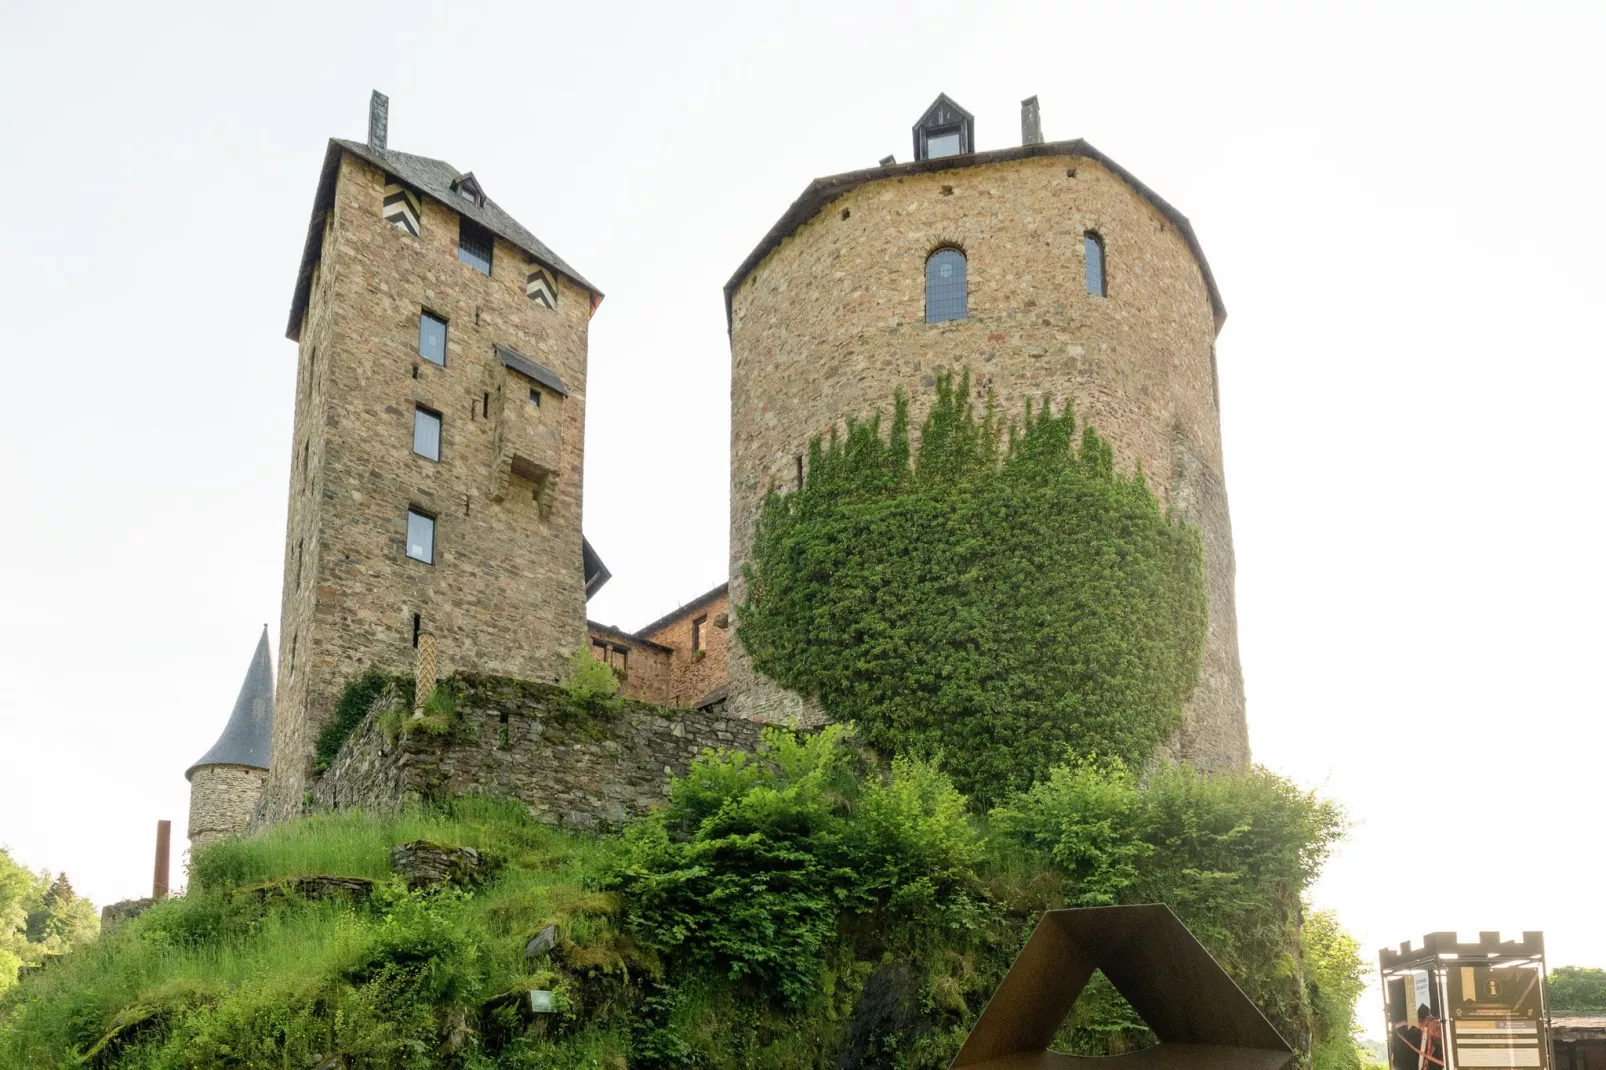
(357, 698)
(985, 599)
(759, 861)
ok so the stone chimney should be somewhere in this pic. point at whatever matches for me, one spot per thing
(1031, 123)
(379, 120)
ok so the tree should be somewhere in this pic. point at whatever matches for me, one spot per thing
(986, 601)
(1577, 990)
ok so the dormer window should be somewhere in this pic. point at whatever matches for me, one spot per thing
(468, 188)
(945, 130)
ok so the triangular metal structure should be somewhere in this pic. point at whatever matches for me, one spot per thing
(248, 737)
(1202, 1020)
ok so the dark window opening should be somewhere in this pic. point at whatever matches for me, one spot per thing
(946, 297)
(418, 628)
(799, 459)
(501, 730)
(420, 536)
(535, 397)
(474, 245)
(431, 339)
(697, 633)
(485, 405)
(426, 433)
(623, 661)
(599, 651)
(306, 452)
(1093, 253)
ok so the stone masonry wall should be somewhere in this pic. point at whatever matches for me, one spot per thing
(832, 322)
(644, 669)
(516, 738)
(221, 800)
(692, 677)
(506, 591)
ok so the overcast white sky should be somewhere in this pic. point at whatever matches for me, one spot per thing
(1399, 200)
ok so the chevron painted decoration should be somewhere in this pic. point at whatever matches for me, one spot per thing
(402, 208)
(541, 287)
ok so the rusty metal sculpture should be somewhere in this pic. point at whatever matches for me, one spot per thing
(1202, 1020)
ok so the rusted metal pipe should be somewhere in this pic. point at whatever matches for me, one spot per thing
(164, 839)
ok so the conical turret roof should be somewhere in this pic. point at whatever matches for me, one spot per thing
(248, 737)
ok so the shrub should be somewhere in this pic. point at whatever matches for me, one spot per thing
(982, 603)
(1577, 990)
(1230, 854)
(592, 685)
(781, 847)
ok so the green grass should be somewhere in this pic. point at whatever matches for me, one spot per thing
(219, 978)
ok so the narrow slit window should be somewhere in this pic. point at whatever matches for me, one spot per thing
(945, 286)
(427, 433)
(474, 245)
(1093, 252)
(420, 536)
(697, 633)
(418, 628)
(431, 339)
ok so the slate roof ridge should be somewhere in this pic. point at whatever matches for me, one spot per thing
(433, 178)
(247, 738)
(680, 611)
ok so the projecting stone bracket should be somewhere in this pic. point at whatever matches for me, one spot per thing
(525, 406)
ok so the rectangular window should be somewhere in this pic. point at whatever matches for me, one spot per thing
(599, 651)
(621, 659)
(420, 537)
(535, 397)
(697, 633)
(474, 244)
(431, 339)
(427, 433)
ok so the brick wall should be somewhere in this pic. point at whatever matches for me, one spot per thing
(643, 665)
(515, 738)
(505, 593)
(690, 676)
(832, 321)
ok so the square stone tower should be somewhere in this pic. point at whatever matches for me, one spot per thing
(439, 438)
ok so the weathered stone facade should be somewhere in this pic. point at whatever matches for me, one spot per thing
(517, 738)
(222, 798)
(831, 321)
(505, 592)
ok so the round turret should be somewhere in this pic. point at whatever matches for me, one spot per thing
(227, 780)
(1044, 268)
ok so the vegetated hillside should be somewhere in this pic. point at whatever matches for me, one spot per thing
(809, 907)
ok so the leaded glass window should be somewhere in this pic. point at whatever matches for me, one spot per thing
(1093, 252)
(945, 286)
(474, 244)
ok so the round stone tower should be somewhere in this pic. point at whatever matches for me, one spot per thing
(1071, 278)
(227, 780)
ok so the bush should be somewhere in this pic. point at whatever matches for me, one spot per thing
(1230, 854)
(591, 686)
(1335, 973)
(780, 848)
(985, 604)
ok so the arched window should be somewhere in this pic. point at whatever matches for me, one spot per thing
(945, 285)
(1093, 253)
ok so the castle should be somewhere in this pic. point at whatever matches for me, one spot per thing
(438, 446)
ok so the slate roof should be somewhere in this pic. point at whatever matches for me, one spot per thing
(428, 176)
(823, 191)
(532, 369)
(248, 737)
